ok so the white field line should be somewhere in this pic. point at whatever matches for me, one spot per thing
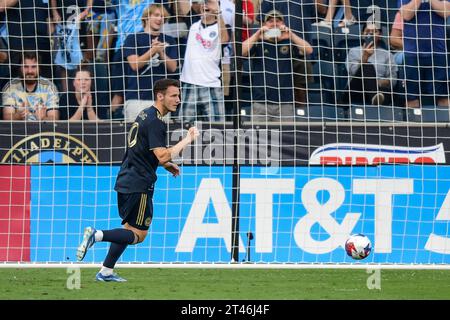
(229, 265)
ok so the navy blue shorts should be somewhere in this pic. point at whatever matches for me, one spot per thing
(430, 78)
(136, 209)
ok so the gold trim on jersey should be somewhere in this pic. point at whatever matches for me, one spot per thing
(142, 207)
(158, 114)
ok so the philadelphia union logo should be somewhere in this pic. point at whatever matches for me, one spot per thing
(50, 147)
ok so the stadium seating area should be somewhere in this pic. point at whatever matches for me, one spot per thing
(327, 84)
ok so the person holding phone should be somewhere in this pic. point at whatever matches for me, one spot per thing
(371, 69)
(272, 51)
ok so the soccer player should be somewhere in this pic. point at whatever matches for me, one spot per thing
(136, 178)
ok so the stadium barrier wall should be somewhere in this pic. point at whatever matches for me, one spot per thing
(299, 199)
(297, 215)
(313, 143)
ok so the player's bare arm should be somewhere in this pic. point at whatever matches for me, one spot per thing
(172, 168)
(7, 4)
(165, 155)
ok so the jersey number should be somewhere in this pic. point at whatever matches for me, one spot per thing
(72, 19)
(132, 135)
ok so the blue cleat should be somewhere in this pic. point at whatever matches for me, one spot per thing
(88, 241)
(111, 278)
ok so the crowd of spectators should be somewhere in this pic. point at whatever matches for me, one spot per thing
(98, 59)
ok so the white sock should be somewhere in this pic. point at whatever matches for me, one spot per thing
(98, 235)
(106, 271)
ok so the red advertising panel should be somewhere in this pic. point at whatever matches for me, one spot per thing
(14, 213)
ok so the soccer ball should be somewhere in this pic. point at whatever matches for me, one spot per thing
(358, 246)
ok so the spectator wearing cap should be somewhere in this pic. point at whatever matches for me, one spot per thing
(272, 50)
(299, 15)
(371, 69)
(424, 42)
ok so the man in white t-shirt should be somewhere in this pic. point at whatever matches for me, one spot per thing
(201, 72)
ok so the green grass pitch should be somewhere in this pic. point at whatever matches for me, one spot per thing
(223, 284)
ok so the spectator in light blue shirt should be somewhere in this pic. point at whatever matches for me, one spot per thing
(129, 18)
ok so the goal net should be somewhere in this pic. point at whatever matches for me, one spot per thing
(317, 121)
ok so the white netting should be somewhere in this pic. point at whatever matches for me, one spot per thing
(318, 119)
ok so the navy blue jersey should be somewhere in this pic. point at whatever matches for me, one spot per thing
(272, 72)
(138, 170)
(140, 82)
(27, 26)
(425, 32)
(104, 6)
